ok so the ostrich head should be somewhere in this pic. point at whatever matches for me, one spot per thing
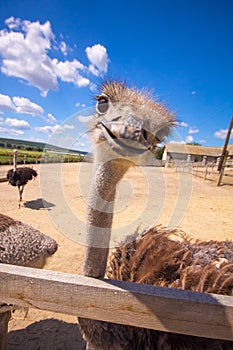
(128, 121)
(127, 125)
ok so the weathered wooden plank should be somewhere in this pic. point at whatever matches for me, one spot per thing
(173, 310)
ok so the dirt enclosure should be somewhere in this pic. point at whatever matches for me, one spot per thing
(56, 201)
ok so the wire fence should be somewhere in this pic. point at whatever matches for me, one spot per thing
(208, 171)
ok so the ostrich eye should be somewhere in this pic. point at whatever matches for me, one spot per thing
(102, 104)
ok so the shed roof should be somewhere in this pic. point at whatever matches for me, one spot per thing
(175, 147)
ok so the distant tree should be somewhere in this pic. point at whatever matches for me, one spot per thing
(193, 144)
(39, 149)
(159, 152)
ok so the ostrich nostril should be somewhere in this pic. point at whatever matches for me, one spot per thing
(149, 138)
(144, 134)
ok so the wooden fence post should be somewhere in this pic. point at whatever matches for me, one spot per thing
(222, 169)
(4, 319)
(206, 171)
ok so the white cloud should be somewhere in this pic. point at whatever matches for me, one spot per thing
(222, 133)
(66, 142)
(25, 106)
(78, 104)
(14, 132)
(11, 132)
(68, 72)
(193, 92)
(1, 120)
(6, 104)
(51, 119)
(79, 144)
(193, 130)
(2, 129)
(68, 126)
(63, 47)
(202, 141)
(45, 129)
(98, 57)
(24, 51)
(20, 105)
(179, 142)
(183, 124)
(93, 87)
(18, 124)
(84, 118)
(13, 23)
(57, 129)
(94, 70)
(189, 139)
(36, 139)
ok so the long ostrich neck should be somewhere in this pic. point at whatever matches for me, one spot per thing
(15, 161)
(106, 175)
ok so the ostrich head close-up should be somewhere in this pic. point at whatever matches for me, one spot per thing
(131, 121)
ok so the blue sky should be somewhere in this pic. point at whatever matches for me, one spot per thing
(54, 54)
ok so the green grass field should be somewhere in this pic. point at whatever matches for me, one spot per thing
(34, 152)
(32, 157)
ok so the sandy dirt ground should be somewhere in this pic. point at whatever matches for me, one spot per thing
(146, 196)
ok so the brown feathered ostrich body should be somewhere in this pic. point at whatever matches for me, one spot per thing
(126, 125)
(20, 176)
(21, 244)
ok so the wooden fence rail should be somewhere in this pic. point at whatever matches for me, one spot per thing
(165, 309)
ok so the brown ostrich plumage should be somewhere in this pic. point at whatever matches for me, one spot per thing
(23, 245)
(157, 259)
(21, 176)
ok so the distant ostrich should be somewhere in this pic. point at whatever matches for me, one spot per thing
(126, 125)
(23, 245)
(20, 176)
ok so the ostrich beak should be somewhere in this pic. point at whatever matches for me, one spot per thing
(129, 137)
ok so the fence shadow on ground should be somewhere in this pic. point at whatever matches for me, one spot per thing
(47, 334)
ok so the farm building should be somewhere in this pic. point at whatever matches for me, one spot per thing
(176, 152)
